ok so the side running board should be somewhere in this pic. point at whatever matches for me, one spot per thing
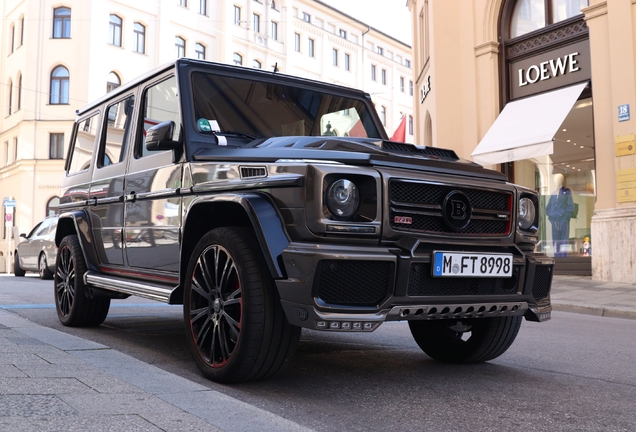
(148, 290)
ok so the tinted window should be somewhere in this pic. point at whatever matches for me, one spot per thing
(113, 149)
(268, 110)
(83, 144)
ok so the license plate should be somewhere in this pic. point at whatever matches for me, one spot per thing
(463, 264)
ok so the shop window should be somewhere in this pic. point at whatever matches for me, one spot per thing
(530, 15)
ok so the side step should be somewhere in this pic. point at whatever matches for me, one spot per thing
(148, 290)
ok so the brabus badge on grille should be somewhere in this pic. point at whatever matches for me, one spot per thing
(404, 220)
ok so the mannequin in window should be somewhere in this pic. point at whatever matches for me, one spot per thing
(559, 211)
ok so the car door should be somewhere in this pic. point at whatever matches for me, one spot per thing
(152, 204)
(28, 247)
(106, 193)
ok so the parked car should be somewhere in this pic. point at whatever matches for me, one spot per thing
(266, 203)
(37, 251)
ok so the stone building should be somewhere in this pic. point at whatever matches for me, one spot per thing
(542, 90)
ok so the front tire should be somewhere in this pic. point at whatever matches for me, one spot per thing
(235, 325)
(74, 307)
(473, 340)
(17, 270)
(43, 268)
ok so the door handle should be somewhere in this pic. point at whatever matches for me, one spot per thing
(130, 197)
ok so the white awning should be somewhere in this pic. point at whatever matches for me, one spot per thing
(525, 128)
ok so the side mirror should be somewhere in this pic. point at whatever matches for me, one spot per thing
(23, 235)
(159, 137)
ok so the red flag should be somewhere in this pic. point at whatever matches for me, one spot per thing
(358, 130)
(400, 133)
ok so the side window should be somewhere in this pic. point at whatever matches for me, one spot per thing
(160, 105)
(83, 144)
(113, 147)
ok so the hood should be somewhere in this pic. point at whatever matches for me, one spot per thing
(350, 151)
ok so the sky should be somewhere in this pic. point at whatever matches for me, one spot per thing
(389, 16)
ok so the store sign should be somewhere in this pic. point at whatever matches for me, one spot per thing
(549, 69)
(566, 65)
(426, 89)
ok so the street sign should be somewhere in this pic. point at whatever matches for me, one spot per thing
(8, 203)
(623, 113)
(8, 217)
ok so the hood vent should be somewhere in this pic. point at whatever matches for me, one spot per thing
(249, 172)
(433, 152)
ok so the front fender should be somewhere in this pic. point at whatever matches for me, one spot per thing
(261, 215)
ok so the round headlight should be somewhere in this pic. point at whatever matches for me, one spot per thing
(526, 213)
(342, 198)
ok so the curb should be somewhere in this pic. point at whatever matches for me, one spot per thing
(594, 310)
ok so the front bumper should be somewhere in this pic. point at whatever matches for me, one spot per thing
(344, 288)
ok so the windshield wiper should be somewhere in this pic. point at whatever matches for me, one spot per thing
(237, 133)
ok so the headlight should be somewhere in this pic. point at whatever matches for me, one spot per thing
(526, 213)
(342, 198)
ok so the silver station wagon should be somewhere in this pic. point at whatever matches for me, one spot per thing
(266, 203)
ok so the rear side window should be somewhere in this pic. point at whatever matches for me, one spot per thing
(83, 144)
(113, 150)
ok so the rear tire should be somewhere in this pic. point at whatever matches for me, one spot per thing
(74, 307)
(235, 325)
(17, 270)
(447, 341)
(43, 268)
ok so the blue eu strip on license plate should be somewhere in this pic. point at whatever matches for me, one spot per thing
(466, 264)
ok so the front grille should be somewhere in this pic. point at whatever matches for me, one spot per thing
(422, 204)
(541, 281)
(353, 283)
(422, 283)
(426, 151)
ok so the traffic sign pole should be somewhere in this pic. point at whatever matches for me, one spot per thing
(9, 205)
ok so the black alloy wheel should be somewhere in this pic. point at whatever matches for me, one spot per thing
(235, 325)
(74, 307)
(473, 340)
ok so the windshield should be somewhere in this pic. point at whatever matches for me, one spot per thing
(264, 110)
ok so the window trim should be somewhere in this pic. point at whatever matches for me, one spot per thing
(114, 30)
(180, 48)
(64, 20)
(139, 34)
(60, 146)
(60, 80)
(198, 51)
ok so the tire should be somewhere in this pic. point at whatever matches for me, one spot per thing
(446, 341)
(235, 325)
(43, 268)
(74, 307)
(17, 270)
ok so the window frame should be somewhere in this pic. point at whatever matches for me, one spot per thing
(256, 23)
(334, 55)
(115, 30)
(56, 140)
(311, 47)
(200, 53)
(237, 15)
(203, 7)
(138, 35)
(59, 79)
(347, 62)
(274, 30)
(64, 21)
(237, 59)
(297, 42)
(180, 47)
(306, 17)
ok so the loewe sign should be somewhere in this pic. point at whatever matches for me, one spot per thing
(550, 70)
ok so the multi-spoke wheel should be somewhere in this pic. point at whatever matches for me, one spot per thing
(17, 270)
(74, 307)
(43, 268)
(466, 341)
(235, 325)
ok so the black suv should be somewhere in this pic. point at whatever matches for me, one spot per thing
(266, 203)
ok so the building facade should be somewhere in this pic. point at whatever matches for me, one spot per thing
(56, 56)
(543, 91)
